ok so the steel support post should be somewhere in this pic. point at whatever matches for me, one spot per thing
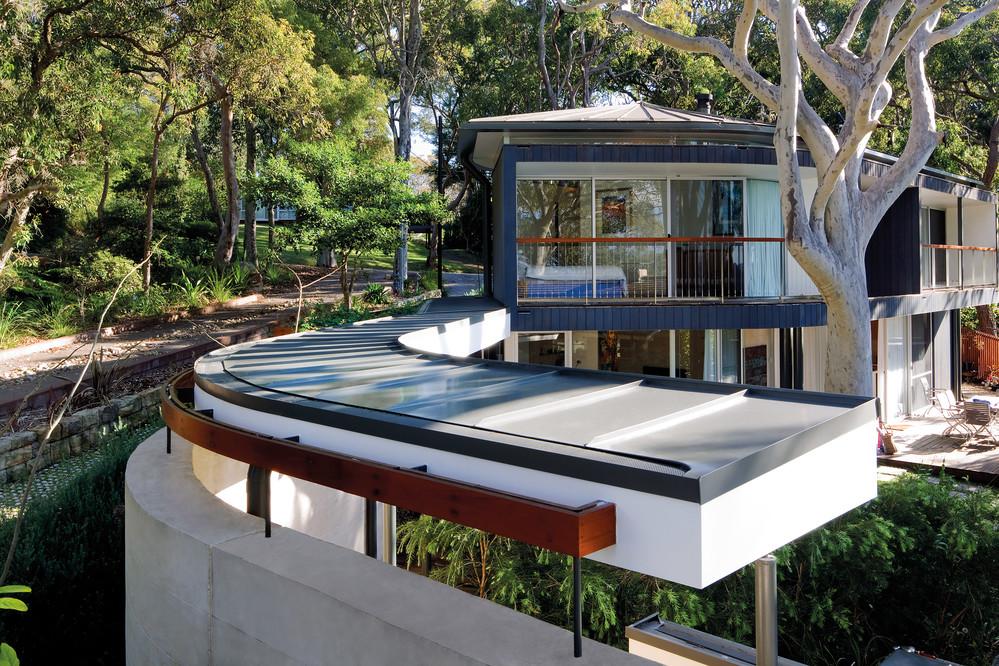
(258, 495)
(388, 534)
(577, 606)
(766, 611)
(371, 528)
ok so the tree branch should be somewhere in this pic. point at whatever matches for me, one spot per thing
(922, 139)
(959, 24)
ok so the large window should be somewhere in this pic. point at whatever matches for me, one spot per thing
(554, 209)
(706, 207)
(648, 239)
(714, 355)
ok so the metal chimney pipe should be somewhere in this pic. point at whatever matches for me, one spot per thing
(704, 100)
(766, 611)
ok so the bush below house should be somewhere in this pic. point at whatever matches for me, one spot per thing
(916, 566)
(71, 554)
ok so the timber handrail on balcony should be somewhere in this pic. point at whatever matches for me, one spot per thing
(545, 240)
(576, 531)
(650, 269)
(947, 266)
(942, 246)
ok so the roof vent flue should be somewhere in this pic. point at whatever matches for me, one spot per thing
(704, 99)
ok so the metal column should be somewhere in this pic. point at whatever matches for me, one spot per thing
(258, 495)
(577, 606)
(766, 611)
(370, 528)
(388, 534)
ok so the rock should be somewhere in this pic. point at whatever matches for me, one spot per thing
(18, 440)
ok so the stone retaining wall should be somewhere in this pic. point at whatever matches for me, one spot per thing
(81, 431)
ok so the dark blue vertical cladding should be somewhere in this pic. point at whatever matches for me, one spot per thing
(892, 258)
(654, 317)
(505, 228)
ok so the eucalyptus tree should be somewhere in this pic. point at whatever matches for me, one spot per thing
(390, 34)
(828, 232)
(56, 85)
(252, 59)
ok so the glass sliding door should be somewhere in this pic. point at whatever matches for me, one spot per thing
(541, 348)
(710, 355)
(633, 211)
(707, 209)
(896, 386)
(549, 210)
(921, 373)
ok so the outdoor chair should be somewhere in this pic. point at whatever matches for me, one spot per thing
(952, 411)
(978, 419)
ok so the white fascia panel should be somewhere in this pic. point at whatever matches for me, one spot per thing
(656, 535)
(786, 503)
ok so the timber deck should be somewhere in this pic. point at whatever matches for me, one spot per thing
(921, 445)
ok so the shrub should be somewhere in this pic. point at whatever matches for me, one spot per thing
(218, 286)
(916, 566)
(71, 554)
(190, 293)
(376, 294)
(102, 272)
(58, 318)
(15, 323)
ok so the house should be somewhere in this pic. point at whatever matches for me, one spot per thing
(644, 239)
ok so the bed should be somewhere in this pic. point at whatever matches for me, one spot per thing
(574, 282)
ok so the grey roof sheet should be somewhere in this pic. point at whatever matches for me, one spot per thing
(697, 430)
(635, 112)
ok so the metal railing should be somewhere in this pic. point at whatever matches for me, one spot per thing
(653, 269)
(957, 266)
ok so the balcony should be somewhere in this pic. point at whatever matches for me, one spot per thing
(650, 270)
(957, 266)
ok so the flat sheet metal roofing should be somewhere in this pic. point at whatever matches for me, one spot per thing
(641, 112)
(682, 438)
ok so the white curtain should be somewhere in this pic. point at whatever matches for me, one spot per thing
(711, 355)
(763, 260)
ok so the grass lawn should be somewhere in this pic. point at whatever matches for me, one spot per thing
(455, 261)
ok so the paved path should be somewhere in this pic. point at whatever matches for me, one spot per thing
(462, 284)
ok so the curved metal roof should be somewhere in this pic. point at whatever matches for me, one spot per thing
(686, 439)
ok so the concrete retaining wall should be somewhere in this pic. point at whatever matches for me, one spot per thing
(78, 432)
(203, 586)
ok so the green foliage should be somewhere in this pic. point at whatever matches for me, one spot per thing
(916, 566)
(190, 293)
(8, 657)
(969, 318)
(15, 323)
(219, 286)
(7, 653)
(72, 555)
(102, 271)
(376, 294)
(326, 315)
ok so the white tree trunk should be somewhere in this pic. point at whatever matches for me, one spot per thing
(848, 349)
(227, 236)
(18, 219)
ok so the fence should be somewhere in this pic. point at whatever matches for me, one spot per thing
(980, 350)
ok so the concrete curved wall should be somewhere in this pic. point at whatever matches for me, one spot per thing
(203, 586)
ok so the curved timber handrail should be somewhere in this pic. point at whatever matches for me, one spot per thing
(576, 531)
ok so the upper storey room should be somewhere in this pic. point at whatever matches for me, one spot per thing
(640, 204)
